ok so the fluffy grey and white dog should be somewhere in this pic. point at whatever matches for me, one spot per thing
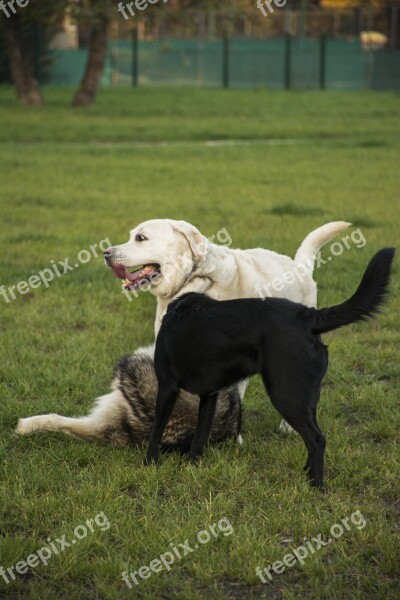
(126, 414)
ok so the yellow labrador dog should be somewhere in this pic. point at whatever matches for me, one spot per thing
(171, 258)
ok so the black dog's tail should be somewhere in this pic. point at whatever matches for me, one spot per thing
(367, 300)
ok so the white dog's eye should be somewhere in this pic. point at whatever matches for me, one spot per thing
(140, 238)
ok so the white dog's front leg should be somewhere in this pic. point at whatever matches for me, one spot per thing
(284, 427)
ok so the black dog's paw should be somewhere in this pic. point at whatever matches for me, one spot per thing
(150, 459)
(316, 482)
(194, 457)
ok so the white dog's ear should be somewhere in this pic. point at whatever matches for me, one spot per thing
(197, 241)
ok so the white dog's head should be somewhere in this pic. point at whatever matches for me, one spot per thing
(160, 255)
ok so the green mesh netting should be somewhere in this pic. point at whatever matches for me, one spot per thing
(252, 63)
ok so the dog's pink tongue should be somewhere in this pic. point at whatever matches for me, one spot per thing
(119, 271)
(122, 272)
(133, 276)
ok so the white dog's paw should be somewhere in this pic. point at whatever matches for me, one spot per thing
(21, 427)
(239, 439)
(285, 427)
(241, 386)
(26, 426)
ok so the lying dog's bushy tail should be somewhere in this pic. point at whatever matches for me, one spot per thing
(367, 300)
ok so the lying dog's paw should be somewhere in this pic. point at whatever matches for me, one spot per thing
(24, 427)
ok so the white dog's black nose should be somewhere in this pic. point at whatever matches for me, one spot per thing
(108, 254)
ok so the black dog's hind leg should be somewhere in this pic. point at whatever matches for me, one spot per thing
(304, 423)
(314, 418)
(166, 399)
(299, 411)
(316, 451)
(207, 406)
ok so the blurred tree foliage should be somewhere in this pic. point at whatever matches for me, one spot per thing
(20, 37)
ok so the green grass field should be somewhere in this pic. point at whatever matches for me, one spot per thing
(289, 163)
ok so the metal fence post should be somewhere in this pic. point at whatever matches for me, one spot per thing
(288, 62)
(393, 28)
(37, 52)
(135, 57)
(225, 62)
(322, 62)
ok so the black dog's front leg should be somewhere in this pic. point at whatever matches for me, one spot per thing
(207, 406)
(166, 399)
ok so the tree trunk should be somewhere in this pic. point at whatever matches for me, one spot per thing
(86, 94)
(28, 90)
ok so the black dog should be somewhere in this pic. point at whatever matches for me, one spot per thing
(205, 345)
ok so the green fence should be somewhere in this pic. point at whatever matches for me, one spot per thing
(274, 63)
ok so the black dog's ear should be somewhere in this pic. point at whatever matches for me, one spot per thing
(197, 241)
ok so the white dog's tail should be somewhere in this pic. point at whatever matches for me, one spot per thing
(308, 250)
